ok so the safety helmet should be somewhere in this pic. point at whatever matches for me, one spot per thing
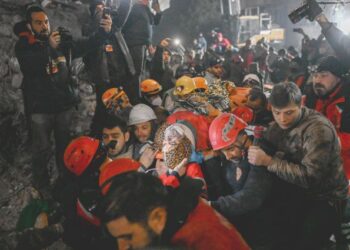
(184, 85)
(80, 153)
(150, 87)
(115, 98)
(245, 113)
(201, 84)
(114, 168)
(224, 129)
(141, 113)
(239, 96)
(251, 80)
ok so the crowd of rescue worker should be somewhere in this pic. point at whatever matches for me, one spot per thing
(210, 147)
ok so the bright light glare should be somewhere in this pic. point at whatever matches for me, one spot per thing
(341, 18)
(177, 41)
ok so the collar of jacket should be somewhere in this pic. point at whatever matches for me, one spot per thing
(29, 36)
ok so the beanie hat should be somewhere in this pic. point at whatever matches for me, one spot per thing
(331, 64)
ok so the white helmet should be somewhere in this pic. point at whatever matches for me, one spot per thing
(141, 113)
(253, 77)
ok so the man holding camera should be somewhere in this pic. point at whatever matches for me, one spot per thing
(107, 64)
(335, 37)
(44, 58)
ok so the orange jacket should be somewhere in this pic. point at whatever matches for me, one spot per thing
(206, 229)
(336, 108)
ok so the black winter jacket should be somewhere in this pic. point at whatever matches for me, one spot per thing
(46, 75)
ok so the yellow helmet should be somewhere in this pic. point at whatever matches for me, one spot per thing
(184, 85)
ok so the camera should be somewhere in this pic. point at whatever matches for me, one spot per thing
(299, 13)
(106, 11)
(310, 9)
(66, 37)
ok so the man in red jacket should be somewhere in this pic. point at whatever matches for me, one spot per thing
(330, 96)
(140, 212)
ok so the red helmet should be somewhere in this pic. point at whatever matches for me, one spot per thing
(79, 154)
(114, 168)
(224, 129)
(245, 113)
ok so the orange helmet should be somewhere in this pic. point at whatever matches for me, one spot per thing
(201, 84)
(114, 168)
(80, 153)
(115, 98)
(224, 129)
(150, 87)
(239, 96)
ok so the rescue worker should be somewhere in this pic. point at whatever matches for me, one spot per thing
(117, 103)
(308, 157)
(331, 97)
(116, 137)
(249, 186)
(84, 157)
(198, 112)
(169, 99)
(156, 217)
(150, 92)
(142, 121)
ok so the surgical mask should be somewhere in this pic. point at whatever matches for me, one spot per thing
(157, 101)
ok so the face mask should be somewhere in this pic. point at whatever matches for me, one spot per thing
(169, 104)
(157, 101)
